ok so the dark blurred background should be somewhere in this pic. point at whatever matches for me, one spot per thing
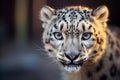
(21, 50)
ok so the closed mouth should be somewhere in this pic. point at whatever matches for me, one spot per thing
(72, 66)
(71, 63)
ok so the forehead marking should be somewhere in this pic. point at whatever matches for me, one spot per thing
(90, 27)
(55, 26)
(83, 27)
(61, 26)
(72, 16)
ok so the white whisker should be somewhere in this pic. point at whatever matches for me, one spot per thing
(90, 56)
(53, 62)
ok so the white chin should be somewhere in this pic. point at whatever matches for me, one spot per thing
(72, 68)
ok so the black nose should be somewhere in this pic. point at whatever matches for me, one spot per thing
(72, 56)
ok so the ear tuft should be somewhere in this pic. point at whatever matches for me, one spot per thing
(101, 13)
(46, 13)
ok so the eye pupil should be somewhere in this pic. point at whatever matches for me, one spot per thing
(58, 34)
(86, 35)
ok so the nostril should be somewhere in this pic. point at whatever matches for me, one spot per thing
(72, 56)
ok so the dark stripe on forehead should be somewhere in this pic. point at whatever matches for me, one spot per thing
(90, 27)
(61, 26)
(83, 26)
(55, 26)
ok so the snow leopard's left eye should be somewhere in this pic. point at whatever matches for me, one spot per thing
(86, 36)
(58, 35)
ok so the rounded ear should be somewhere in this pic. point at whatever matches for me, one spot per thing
(46, 13)
(101, 13)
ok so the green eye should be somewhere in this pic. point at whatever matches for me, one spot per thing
(58, 35)
(86, 36)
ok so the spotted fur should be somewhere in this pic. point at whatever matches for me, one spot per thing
(79, 39)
